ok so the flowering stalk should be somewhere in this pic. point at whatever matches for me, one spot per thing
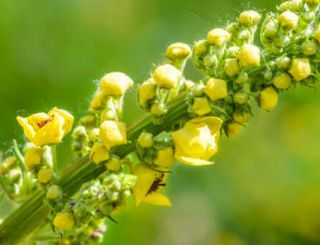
(184, 122)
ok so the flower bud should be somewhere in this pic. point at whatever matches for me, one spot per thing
(178, 51)
(94, 134)
(283, 62)
(80, 133)
(282, 40)
(7, 164)
(96, 102)
(88, 120)
(216, 89)
(268, 98)
(288, 20)
(282, 81)
(210, 61)
(300, 69)
(114, 164)
(63, 220)
(242, 78)
(240, 98)
(14, 175)
(296, 5)
(233, 27)
(232, 51)
(201, 106)
(268, 75)
(54, 192)
(200, 47)
(107, 114)
(158, 109)
(189, 84)
(45, 175)
(218, 36)
(250, 18)
(198, 89)
(99, 153)
(244, 35)
(309, 48)
(284, 6)
(232, 67)
(33, 157)
(242, 117)
(115, 84)
(167, 76)
(249, 55)
(113, 133)
(165, 158)
(271, 28)
(146, 91)
(145, 140)
(234, 129)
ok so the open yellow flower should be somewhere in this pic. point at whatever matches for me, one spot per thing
(43, 129)
(197, 141)
(148, 186)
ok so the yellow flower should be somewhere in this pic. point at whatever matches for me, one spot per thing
(148, 185)
(249, 55)
(167, 76)
(113, 133)
(33, 157)
(63, 220)
(145, 140)
(218, 36)
(45, 175)
(216, 89)
(268, 98)
(115, 83)
(201, 106)
(146, 91)
(300, 69)
(282, 81)
(232, 67)
(288, 19)
(165, 158)
(99, 153)
(250, 17)
(178, 51)
(43, 129)
(197, 142)
(233, 129)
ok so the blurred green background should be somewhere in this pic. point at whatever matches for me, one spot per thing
(265, 187)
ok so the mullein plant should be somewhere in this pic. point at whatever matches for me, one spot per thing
(183, 123)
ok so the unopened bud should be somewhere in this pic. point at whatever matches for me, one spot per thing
(145, 140)
(250, 17)
(309, 48)
(218, 36)
(178, 51)
(158, 109)
(288, 20)
(54, 192)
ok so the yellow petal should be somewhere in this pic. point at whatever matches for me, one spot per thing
(68, 118)
(27, 128)
(145, 178)
(113, 133)
(192, 161)
(156, 198)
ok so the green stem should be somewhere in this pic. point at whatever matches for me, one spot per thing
(34, 212)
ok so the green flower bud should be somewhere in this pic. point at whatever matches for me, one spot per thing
(233, 51)
(283, 62)
(158, 109)
(313, 2)
(54, 192)
(240, 98)
(200, 47)
(198, 89)
(14, 175)
(271, 28)
(210, 61)
(232, 67)
(242, 78)
(80, 133)
(7, 164)
(309, 47)
(288, 20)
(145, 140)
(107, 114)
(244, 35)
(233, 27)
(268, 75)
(178, 51)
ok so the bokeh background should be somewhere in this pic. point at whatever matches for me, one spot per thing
(265, 187)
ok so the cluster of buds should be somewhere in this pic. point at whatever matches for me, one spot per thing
(166, 82)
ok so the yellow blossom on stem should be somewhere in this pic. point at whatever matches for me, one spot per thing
(249, 55)
(146, 91)
(201, 106)
(147, 187)
(268, 98)
(216, 89)
(43, 129)
(197, 142)
(167, 76)
(113, 133)
(115, 83)
(45, 175)
(99, 153)
(63, 220)
(218, 36)
(178, 51)
(234, 129)
(300, 69)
